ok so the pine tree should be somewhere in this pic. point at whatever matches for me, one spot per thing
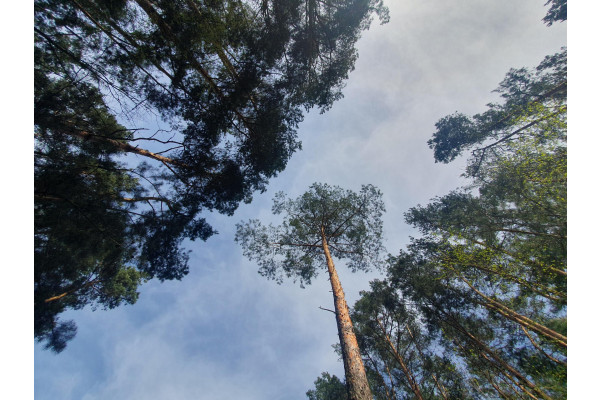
(323, 223)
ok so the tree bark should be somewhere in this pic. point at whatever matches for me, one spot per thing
(546, 292)
(495, 386)
(68, 292)
(537, 346)
(126, 147)
(165, 28)
(356, 377)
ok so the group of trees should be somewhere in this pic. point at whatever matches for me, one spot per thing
(476, 306)
(227, 80)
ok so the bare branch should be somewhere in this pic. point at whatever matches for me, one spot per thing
(327, 309)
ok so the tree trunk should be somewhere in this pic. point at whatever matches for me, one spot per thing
(537, 346)
(68, 292)
(439, 385)
(495, 386)
(409, 376)
(356, 377)
(546, 292)
(224, 59)
(502, 365)
(168, 32)
(526, 322)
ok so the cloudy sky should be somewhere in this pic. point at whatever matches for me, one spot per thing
(225, 332)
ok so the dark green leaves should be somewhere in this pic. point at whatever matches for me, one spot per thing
(454, 133)
(557, 11)
(328, 387)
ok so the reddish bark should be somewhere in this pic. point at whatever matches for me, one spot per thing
(356, 377)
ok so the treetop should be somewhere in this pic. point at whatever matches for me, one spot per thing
(349, 221)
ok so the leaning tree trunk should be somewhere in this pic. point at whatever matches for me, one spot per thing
(356, 377)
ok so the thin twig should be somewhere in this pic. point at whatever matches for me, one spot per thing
(326, 309)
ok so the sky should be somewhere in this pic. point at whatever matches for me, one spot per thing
(224, 331)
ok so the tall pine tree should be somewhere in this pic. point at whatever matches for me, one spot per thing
(323, 223)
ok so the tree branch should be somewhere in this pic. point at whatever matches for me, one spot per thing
(540, 349)
(327, 309)
(293, 244)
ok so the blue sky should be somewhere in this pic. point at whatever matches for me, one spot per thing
(224, 331)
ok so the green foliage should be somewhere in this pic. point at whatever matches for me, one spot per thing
(350, 221)
(534, 105)
(328, 387)
(325, 221)
(557, 11)
(476, 307)
(480, 341)
(514, 231)
(489, 275)
(56, 339)
(390, 331)
(230, 78)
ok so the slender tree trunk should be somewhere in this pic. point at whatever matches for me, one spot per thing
(409, 377)
(392, 388)
(374, 365)
(224, 59)
(546, 292)
(524, 261)
(504, 375)
(356, 377)
(517, 384)
(495, 386)
(537, 346)
(502, 365)
(439, 385)
(519, 318)
(68, 292)
(165, 28)
(526, 322)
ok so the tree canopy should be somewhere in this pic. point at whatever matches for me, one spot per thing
(476, 306)
(403, 358)
(328, 387)
(351, 223)
(115, 195)
(557, 12)
(533, 102)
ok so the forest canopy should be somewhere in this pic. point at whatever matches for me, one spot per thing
(151, 115)
(228, 83)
